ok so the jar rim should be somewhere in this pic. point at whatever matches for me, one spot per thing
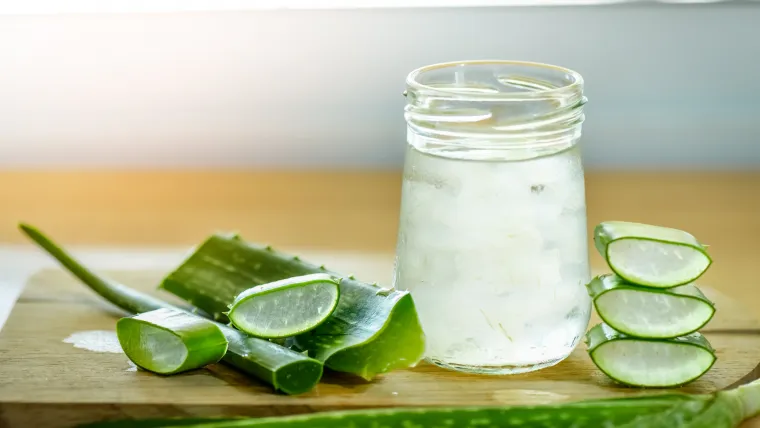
(576, 84)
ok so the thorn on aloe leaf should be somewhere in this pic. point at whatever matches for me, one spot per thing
(296, 258)
(352, 277)
(230, 235)
(322, 267)
(269, 248)
(384, 291)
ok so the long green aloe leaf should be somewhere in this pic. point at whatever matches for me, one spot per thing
(286, 370)
(372, 330)
(724, 409)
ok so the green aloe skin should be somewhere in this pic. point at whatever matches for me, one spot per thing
(286, 370)
(723, 409)
(371, 331)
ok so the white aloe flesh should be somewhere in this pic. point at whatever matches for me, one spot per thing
(649, 255)
(649, 363)
(649, 312)
(286, 308)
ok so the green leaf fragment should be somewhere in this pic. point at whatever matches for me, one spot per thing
(168, 341)
(367, 334)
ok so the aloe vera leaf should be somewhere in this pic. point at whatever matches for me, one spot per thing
(654, 313)
(168, 341)
(286, 308)
(652, 256)
(579, 415)
(368, 333)
(722, 409)
(654, 363)
(284, 369)
(725, 409)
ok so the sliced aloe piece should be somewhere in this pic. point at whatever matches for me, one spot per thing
(286, 308)
(371, 331)
(647, 312)
(168, 341)
(651, 363)
(651, 256)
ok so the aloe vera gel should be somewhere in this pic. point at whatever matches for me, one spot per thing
(492, 241)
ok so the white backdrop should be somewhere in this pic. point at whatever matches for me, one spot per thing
(669, 85)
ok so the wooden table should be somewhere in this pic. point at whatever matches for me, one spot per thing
(356, 210)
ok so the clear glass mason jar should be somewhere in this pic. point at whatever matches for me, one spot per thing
(492, 241)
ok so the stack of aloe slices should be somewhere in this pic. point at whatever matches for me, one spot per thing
(269, 300)
(650, 308)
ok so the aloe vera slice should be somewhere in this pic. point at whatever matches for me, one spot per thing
(652, 363)
(723, 409)
(654, 313)
(651, 256)
(167, 341)
(284, 369)
(286, 308)
(371, 331)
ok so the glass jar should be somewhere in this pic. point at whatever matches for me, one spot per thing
(492, 242)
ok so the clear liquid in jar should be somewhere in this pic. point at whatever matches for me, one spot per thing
(495, 256)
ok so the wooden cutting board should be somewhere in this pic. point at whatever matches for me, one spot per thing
(46, 382)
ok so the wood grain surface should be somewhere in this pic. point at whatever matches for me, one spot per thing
(45, 380)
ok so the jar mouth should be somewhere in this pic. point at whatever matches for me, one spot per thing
(500, 80)
(494, 105)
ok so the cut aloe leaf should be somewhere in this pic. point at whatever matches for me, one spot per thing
(167, 341)
(371, 331)
(286, 370)
(651, 256)
(286, 308)
(651, 363)
(647, 312)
